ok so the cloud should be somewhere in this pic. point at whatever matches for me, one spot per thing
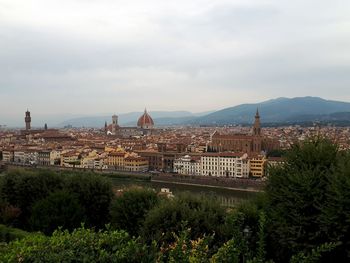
(87, 57)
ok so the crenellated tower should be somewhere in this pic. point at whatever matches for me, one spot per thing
(28, 120)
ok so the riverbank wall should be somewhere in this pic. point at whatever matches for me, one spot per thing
(243, 184)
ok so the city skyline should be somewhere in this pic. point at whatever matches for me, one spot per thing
(279, 111)
(75, 58)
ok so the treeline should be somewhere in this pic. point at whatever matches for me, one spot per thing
(303, 216)
(43, 200)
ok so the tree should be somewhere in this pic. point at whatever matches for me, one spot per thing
(128, 211)
(95, 195)
(297, 193)
(203, 215)
(335, 215)
(22, 188)
(59, 209)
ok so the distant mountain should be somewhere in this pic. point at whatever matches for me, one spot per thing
(161, 118)
(336, 116)
(274, 111)
(280, 110)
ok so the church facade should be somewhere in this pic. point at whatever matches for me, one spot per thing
(145, 125)
(247, 143)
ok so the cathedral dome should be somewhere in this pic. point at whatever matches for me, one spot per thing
(145, 121)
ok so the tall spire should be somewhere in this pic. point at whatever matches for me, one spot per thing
(257, 127)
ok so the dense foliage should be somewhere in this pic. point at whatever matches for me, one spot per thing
(8, 234)
(201, 215)
(308, 201)
(59, 209)
(82, 245)
(43, 200)
(129, 210)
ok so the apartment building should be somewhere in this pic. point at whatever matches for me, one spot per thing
(187, 165)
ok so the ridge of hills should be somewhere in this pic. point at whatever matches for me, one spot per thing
(280, 110)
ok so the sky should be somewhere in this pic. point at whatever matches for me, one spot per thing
(66, 58)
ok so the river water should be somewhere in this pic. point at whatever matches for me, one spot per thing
(227, 197)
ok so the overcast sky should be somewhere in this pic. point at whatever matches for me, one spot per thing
(91, 57)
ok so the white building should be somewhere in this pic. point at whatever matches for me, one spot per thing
(7, 156)
(19, 157)
(225, 165)
(187, 165)
(25, 156)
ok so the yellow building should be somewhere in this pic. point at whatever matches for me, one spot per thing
(257, 165)
(110, 149)
(71, 159)
(116, 160)
(136, 164)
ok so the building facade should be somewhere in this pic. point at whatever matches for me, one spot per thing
(225, 165)
(187, 165)
(247, 143)
(258, 165)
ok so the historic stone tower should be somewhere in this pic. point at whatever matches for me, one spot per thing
(114, 123)
(257, 139)
(257, 126)
(28, 120)
(106, 127)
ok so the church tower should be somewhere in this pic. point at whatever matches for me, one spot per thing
(257, 126)
(28, 120)
(257, 139)
(114, 124)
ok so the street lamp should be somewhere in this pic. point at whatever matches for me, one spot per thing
(246, 234)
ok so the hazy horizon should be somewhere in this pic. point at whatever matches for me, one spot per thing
(63, 58)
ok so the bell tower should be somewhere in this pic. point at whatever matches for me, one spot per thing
(257, 139)
(257, 126)
(28, 120)
(114, 124)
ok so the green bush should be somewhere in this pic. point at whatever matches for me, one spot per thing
(128, 210)
(204, 216)
(22, 189)
(59, 209)
(8, 234)
(95, 195)
(82, 245)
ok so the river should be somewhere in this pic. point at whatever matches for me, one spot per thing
(227, 197)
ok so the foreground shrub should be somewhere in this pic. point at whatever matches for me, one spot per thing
(185, 250)
(204, 216)
(82, 245)
(8, 234)
(95, 195)
(128, 210)
(22, 188)
(59, 209)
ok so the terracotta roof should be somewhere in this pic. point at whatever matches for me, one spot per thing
(145, 120)
(223, 154)
(117, 154)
